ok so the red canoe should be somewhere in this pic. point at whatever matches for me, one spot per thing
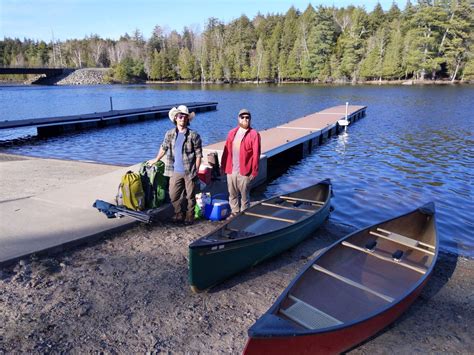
(357, 287)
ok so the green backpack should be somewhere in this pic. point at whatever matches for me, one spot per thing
(154, 183)
(130, 192)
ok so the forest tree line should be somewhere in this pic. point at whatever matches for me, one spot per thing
(427, 40)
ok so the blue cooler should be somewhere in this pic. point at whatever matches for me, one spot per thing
(218, 209)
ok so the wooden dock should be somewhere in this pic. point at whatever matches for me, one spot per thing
(55, 222)
(285, 144)
(56, 125)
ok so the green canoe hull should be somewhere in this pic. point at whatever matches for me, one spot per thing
(209, 265)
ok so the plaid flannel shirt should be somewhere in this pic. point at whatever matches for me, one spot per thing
(192, 149)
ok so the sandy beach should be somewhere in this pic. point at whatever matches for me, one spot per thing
(128, 292)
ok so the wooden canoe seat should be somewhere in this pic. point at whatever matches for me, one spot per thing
(302, 200)
(269, 217)
(383, 257)
(401, 239)
(308, 316)
(287, 207)
(352, 283)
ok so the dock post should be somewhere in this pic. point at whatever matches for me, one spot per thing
(347, 108)
(112, 106)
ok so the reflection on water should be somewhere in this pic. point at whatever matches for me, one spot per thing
(342, 141)
(414, 146)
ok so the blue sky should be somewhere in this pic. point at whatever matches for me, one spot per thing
(40, 19)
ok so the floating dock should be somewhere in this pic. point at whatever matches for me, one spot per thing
(284, 144)
(50, 126)
(49, 221)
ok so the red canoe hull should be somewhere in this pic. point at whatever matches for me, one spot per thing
(331, 342)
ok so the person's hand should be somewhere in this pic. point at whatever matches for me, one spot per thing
(251, 177)
(151, 162)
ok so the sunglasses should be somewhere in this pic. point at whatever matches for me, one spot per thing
(244, 117)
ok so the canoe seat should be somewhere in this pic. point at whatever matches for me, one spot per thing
(308, 316)
(259, 215)
(290, 207)
(383, 257)
(352, 283)
(290, 199)
(402, 240)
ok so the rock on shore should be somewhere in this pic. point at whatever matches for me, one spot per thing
(89, 76)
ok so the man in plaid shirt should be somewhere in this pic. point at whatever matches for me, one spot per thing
(182, 148)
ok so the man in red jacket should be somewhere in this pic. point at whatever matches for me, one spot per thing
(240, 161)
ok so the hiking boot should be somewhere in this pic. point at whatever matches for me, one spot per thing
(189, 218)
(231, 216)
(177, 218)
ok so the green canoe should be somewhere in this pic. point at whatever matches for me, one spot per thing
(260, 232)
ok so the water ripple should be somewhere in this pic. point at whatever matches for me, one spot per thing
(415, 145)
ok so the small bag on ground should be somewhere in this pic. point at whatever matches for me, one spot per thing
(202, 199)
(130, 192)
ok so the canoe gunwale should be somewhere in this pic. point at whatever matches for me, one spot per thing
(262, 238)
(427, 209)
(202, 244)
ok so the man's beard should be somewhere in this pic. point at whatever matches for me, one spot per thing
(244, 126)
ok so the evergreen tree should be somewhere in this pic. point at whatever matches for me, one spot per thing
(430, 39)
(274, 48)
(392, 64)
(427, 24)
(322, 42)
(376, 18)
(457, 37)
(186, 64)
(288, 39)
(156, 69)
(303, 46)
(393, 13)
(353, 43)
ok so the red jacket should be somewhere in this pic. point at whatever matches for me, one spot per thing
(249, 153)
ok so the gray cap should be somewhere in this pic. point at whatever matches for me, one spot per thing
(244, 111)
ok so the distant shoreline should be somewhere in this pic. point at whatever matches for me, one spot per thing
(12, 83)
(100, 76)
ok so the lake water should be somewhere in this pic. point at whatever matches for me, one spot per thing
(414, 146)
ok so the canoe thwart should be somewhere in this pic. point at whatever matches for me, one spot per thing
(308, 316)
(286, 207)
(402, 239)
(289, 198)
(269, 217)
(382, 257)
(352, 283)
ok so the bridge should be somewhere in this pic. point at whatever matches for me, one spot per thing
(46, 71)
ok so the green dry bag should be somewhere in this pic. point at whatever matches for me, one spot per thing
(154, 183)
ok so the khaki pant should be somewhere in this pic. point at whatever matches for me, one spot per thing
(238, 185)
(179, 184)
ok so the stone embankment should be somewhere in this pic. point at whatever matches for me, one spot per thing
(89, 76)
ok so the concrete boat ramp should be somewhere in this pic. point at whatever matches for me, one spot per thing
(64, 217)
